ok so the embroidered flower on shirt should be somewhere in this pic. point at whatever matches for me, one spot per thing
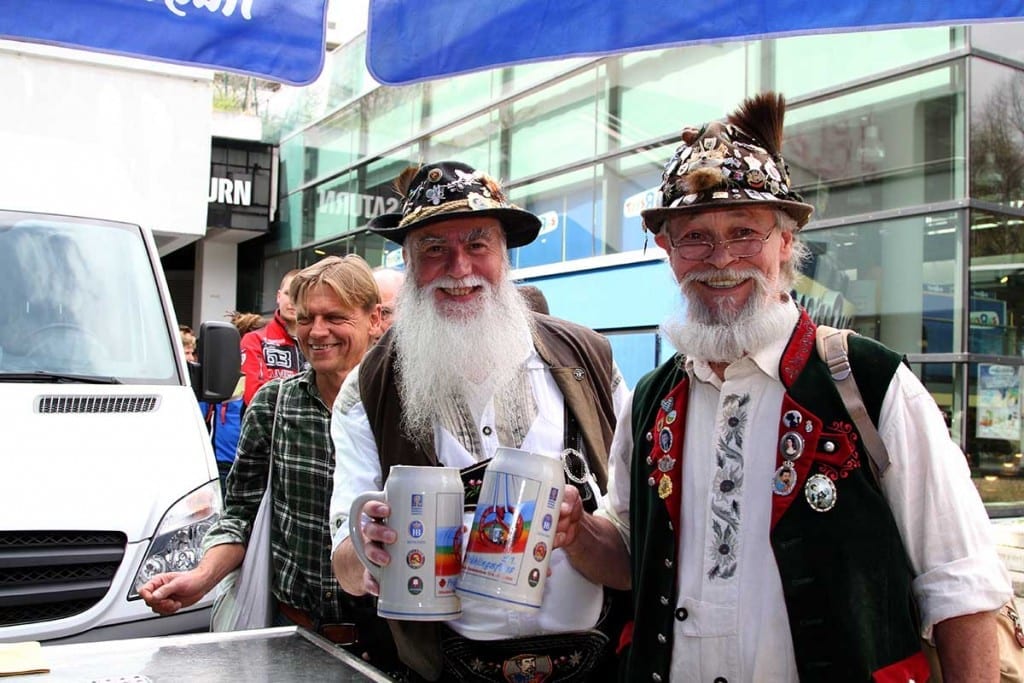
(727, 485)
(722, 551)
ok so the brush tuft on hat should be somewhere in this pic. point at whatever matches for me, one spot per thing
(762, 117)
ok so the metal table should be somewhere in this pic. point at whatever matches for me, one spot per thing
(274, 655)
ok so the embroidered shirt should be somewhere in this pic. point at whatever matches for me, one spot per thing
(303, 465)
(570, 601)
(728, 581)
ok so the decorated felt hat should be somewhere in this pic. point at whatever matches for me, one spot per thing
(730, 163)
(449, 189)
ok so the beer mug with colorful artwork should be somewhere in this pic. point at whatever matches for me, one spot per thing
(426, 513)
(509, 545)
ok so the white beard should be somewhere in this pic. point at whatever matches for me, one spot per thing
(463, 354)
(723, 335)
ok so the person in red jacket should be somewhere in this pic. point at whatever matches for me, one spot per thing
(271, 352)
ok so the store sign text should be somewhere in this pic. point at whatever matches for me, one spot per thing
(355, 204)
(230, 191)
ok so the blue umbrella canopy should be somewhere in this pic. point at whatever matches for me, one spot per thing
(413, 41)
(280, 40)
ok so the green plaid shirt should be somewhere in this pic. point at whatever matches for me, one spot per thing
(303, 470)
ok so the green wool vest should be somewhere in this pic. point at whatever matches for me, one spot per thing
(581, 365)
(845, 576)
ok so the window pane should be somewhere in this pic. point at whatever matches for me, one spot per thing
(997, 140)
(994, 431)
(890, 280)
(661, 91)
(891, 146)
(476, 142)
(997, 284)
(807, 63)
(567, 206)
(555, 127)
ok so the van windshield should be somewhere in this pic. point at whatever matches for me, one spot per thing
(80, 298)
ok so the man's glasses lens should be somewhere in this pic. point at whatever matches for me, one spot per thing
(741, 247)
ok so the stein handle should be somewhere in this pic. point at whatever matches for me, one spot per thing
(355, 529)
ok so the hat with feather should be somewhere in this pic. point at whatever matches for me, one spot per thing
(730, 163)
(449, 189)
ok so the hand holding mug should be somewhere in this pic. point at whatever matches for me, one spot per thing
(570, 515)
(418, 516)
(376, 537)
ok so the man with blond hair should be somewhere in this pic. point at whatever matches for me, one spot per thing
(286, 430)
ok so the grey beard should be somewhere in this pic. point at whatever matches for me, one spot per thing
(458, 359)
(722, 335)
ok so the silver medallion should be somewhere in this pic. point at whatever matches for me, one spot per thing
(791, 446)
(820, 492)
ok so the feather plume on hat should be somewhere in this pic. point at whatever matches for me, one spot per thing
(402, 183)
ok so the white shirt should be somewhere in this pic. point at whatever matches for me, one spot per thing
(570, 601)
(738, 629)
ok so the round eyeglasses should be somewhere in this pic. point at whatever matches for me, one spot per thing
(738, 247)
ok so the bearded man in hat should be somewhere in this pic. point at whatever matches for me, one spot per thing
(762, 546)
(465, 369)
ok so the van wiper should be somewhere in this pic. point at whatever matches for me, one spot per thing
(44, 377)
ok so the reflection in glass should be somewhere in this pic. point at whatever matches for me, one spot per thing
(80, 298)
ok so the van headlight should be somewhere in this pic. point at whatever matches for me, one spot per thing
(177, 543)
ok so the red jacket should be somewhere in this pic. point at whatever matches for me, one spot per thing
(269, 353)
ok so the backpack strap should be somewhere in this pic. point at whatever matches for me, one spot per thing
(832, 348)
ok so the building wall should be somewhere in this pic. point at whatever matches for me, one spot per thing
(73, 126)
(909, 144)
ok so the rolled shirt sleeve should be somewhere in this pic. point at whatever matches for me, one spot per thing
(943, 523)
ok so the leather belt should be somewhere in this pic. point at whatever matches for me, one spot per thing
(556, 658)
(339, 634)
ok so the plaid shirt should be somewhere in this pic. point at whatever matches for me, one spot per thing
(303, 479)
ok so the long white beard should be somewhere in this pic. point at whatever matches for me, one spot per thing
(721, 334)
(465, 353)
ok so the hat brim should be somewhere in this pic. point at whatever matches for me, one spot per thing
(654, 219)
(521, 227)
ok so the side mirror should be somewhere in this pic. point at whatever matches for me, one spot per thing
(216, 374)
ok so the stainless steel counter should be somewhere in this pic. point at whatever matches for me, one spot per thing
(274, 655)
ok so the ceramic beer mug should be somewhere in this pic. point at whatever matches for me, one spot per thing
(426, 513)
(509, 545)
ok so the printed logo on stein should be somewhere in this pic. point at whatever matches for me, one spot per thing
(416, 529)
(497, 540)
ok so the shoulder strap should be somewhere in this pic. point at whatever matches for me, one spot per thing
(273, 428)
(832, 348)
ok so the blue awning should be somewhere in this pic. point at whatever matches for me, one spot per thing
(414, 41)
(280, 40)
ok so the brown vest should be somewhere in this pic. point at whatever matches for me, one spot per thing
(581, 365)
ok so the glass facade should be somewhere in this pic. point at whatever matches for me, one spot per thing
(907, 143)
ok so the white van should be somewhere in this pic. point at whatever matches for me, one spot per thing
(107, 475)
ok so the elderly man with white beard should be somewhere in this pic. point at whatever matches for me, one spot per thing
(762, 546)
(465, 369)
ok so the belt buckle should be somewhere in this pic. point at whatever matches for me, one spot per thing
(340, 634)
